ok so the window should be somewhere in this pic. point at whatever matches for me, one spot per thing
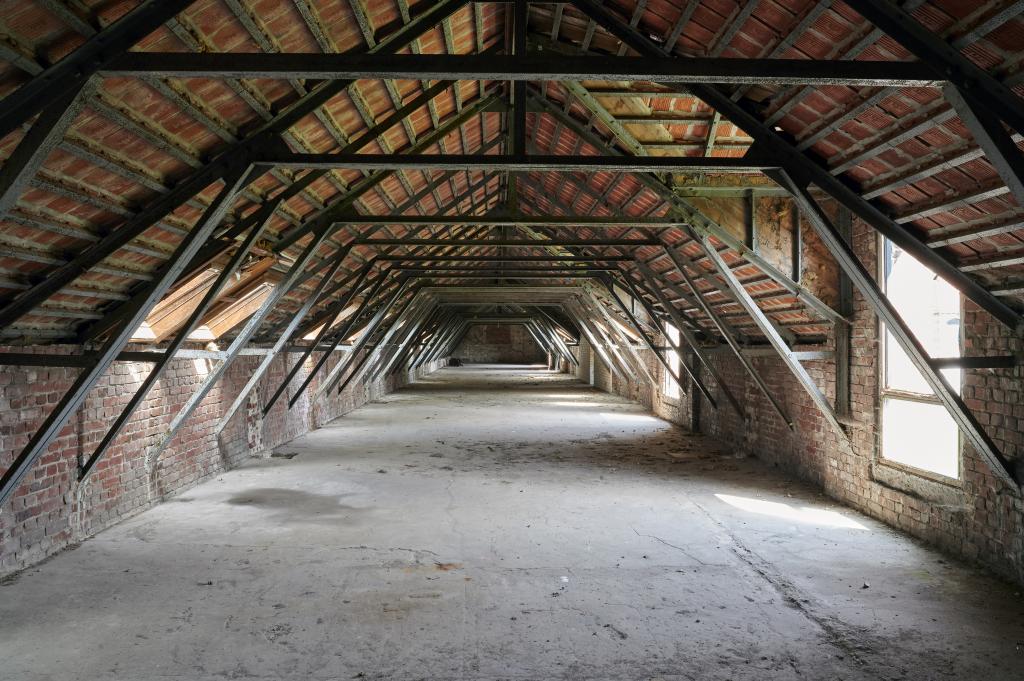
(669, 387)
(916, 429)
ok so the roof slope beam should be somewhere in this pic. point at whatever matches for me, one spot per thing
(45, 134)
(68, 74)
(527, 67)
(999, 147)
(958, 69)
(807, 170)
(933, 115)
(111, 348)
(702, 223)
(411, 200)
(877, 300)
(208, 174)
(182, 335)
(331, 212)
(523, 220)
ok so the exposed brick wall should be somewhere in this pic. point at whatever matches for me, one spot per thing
(499, 344)
(52, 509)
(981, 519)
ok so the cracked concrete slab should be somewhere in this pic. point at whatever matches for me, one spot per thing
(506, 523)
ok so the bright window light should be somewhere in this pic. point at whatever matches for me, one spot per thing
(920, 434)
(669, 387)
(917, 430)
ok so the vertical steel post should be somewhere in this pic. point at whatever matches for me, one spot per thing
(843, 332)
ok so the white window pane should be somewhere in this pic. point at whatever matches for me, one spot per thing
(670, 388)
(900, 373)
(931, 308)
(920, 435)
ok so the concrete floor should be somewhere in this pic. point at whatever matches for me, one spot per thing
(496, 523)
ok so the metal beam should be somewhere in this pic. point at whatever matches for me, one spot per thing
(339, 337)
(615, 328)
(866, 284)
(405, 326)
(45, 134)
(438, 327)
(69, 73)
(988, 131)
(499, 258)
(240, 341)
(681, 324)
(378, 317)
(521, 220)
(808, 170)
(997, 98)
(775, 339)
(695, 218)
(992, 362)
(344, 204)
(502, 162)
(371, 356)
(414, 342)
(519, 24)
(332, 315)
(536, 67)
(501, 274)
(284, 338)
(469, 269)
(614, 358)
(844, 334)
(511, 243)
(156, 289)
(543, 321)
(650, 341)
(228, 271)
(213, 171)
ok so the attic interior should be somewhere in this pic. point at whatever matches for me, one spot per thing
(661, 339)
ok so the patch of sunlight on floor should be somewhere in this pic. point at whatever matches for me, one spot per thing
(812, 516)
(562, 396)
(632, 418)
(573, 403)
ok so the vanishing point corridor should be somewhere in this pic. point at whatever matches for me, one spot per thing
(494, 522)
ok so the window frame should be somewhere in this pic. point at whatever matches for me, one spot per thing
(885, 393)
